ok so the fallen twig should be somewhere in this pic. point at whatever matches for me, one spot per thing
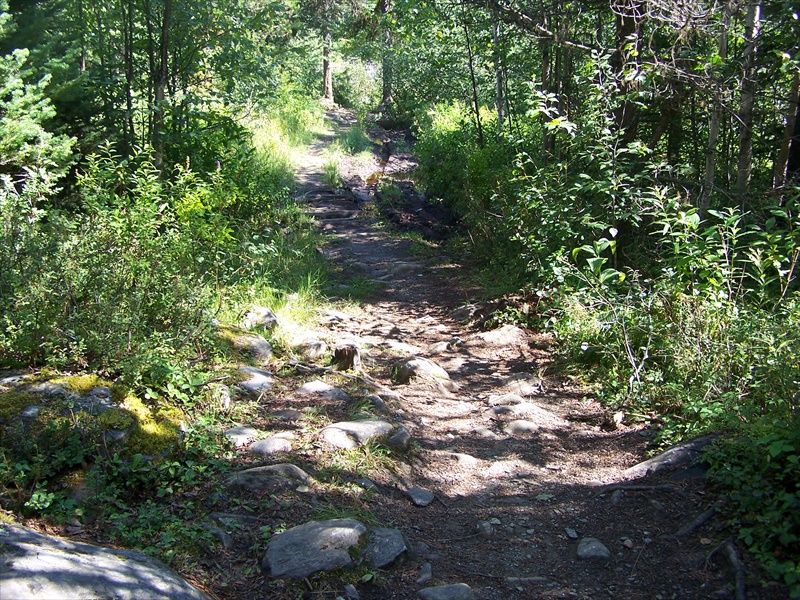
(728, 548)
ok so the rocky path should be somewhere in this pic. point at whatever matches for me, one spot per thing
(478, 471)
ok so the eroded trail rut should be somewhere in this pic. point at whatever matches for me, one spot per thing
(531, 498)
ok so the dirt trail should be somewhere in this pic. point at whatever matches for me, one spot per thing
(519, 481)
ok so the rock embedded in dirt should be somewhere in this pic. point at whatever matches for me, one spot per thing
(590, 548)
(269, 446)
(425, 574)
(259, 381)
(223, 537)
(400, 439)
(255, 345)
(312, 547)
(260, 316)
(37, 566)
(680, 455)
(323, 390)
(457, 591)
(419, 496)
(520, 428)
(507, 335)
(464, 314)
(270, 479)
(352, 434)
(438, 348)
(505, 400)
(313, 349)
(377, 402)
(288, 414)
(384, 546)
(524, 384)
(426, 370)
(241, 435)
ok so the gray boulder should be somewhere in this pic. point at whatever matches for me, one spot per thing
(37, 566)
(591, 548)
(352, 434)
(270, 479)
(323, 390)
(426, 370)
(312, 547)
(258, 382)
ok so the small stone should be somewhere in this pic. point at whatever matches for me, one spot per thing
(628, 543)
(524, 384)
(458, 591)
(425, 574)
(101, 391)
(426, 370)
(259, 381)
(466, 460)
(367, 484)
(272, 445)
(419, 496)
(30, 412)
(401, 439)
(485, 529)
(383, 547)
(322, 389)
(313, 349)
(270, 479)
(242, 435)
(351, 592)
(438, 348)
(254, 345)
(377, 402)
(592, 548)
(223, 537)
(616, 497)
(571, 533)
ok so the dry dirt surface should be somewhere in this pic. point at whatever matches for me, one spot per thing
(519, 482)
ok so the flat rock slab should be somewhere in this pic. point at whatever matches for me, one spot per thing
(323, 390)
(270, 479)
(259, 381)
(37, 566)
(312, 547)
(507, 335)
(273, 445)
(505, 400)
(242, 435)
(419, 496)
(521, 428)
(352, 434)
(426, 370)
(287, 414)
(530, 412)
(383, 547)
(592, 549)
(255, 345)
(457, 591)
(523, 384)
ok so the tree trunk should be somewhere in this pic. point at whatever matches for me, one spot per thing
(498, 73)
(160, 87)
(745, 161)
(129, 132)
(327, 67)
(548, 139)
(714, 122)
(793, 163)
(475, 102)
(628, 24)
(790, 132)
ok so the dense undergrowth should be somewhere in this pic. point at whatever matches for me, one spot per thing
(125, 275)
(682, 318)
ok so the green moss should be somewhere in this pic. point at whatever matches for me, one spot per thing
(156, 430)
(116, 418)
(81, 384)
(13, 402)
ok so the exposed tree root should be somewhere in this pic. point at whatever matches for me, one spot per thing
(695, 524)
(510, 580)
(728, 549)
(637, 488)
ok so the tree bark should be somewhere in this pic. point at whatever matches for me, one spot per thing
(498, 73)
(475, 102)
(793, 164)
(327, 67)
(790, 133)
(714, 122)
(745, 160)
(628, 25)
(160, 87)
